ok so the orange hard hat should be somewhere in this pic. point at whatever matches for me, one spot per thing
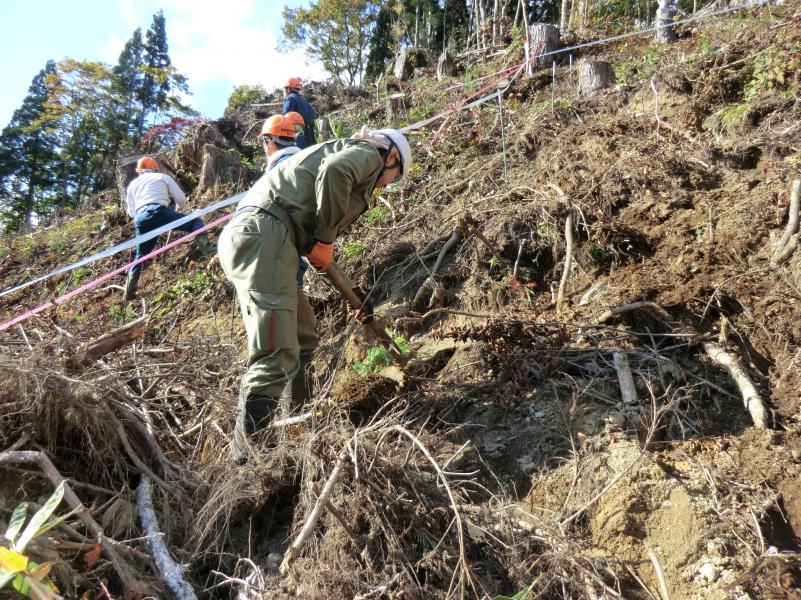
(146, 163)
(292, 83)
(277, 126)
(294, 118)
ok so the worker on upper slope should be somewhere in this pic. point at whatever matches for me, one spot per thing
(294, 102)
(148, 201)
(297, 208)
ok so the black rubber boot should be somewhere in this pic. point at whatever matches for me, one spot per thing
(201, 247)
(252, 414)
(130, 285)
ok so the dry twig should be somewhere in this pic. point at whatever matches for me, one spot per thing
(171, 572)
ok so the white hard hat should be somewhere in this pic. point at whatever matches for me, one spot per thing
(402, 144)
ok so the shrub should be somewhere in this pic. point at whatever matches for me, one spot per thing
(376, 359)
(352, 251)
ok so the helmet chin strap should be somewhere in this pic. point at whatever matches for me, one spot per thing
(397, 163)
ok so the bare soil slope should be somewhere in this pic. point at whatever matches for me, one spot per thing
(504, 456)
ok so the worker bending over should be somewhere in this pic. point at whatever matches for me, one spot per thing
(297, 208)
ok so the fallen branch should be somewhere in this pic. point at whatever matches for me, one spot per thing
(381, 590)
(792, 221)
(568, 261)
(660, 574)
(430, 282)
(132, 586)
(294, 550)
(138, 462)
(751, 399)
(473, 229)
(111, 341)
(289, 421)
(466, 575)
(171, 573)
(786, 252)
(624, 308)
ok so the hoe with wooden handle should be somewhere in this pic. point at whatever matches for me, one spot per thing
(377, 324)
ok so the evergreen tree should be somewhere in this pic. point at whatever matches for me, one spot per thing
(157, 62)
(455, 23)
(129, 80)
(382, 44)
(80, 109)
(160, 79)
(28, 158)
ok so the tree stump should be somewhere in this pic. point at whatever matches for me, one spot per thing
(403, 65)
(594, 75)
(446, 66)
(543, 38)
(220, 167)
(664, 21)
(324, 132)
(396, 106)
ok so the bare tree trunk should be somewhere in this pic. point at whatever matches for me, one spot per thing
(416, 23)
(496, 23)
(482, 21)
(563, 17)
(580, 16)
(664, 21)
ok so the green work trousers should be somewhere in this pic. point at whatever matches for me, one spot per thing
(258, 255)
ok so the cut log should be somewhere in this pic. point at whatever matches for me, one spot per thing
(446, 65)
(594, 75)
(111, 341)
(628, 391)
(544, 39)
(396, 106)
(409, 59)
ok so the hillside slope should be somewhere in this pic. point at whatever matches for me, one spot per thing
(506, 457)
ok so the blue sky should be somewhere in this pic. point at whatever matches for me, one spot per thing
(217, 44)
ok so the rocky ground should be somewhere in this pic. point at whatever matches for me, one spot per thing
(504, 456)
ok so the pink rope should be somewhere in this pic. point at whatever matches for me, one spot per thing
(88, 286)
(107, 276)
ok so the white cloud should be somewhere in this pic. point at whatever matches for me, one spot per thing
(110, 53)
(222, 43)
(129, 15)
(230, 41)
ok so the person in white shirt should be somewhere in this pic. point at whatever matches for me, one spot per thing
(148, 201)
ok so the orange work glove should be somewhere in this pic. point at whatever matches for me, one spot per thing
(321, 256)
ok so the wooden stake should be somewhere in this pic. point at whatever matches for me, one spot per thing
(624, 377)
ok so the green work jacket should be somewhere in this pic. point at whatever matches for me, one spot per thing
(323, 188)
